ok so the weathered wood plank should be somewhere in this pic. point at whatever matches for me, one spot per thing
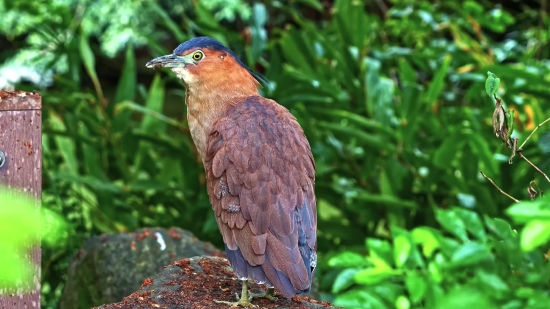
(21, 142)
(20, 100)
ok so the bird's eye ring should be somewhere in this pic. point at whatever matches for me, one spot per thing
(197, 55)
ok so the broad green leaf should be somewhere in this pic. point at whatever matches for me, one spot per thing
(500, 227)
(466, 298)
(469, 254)
(370, 276)
(493, 281)
(401, 250)
(344, 280)
(491, 84)
(472, 222)
(22, 224)
(525, 211)
(359, 299)
(347, 259)
(416, 285)
(381, 249)
(426, 238)
(452, 223)
(534, 234)
(435, 272)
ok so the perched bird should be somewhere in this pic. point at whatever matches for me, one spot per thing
(259, 168)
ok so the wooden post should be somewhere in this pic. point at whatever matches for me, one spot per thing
(21, 142)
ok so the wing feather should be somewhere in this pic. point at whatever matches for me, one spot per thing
(260, 179)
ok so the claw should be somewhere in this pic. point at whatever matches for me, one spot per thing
(245, 300)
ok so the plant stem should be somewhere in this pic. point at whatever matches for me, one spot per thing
(498, 188)
(533, 165)
(528, 137)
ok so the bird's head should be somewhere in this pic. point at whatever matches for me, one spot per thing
(207, 62)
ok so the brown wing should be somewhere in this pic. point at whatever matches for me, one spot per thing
(260, 179)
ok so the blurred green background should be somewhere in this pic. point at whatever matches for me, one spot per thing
(390, 93)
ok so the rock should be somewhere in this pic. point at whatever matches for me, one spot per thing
(195, 283)
(110, 267)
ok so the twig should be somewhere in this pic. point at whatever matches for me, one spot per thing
(528, 137)
(514, 148)
(498, 188)
(533, 165)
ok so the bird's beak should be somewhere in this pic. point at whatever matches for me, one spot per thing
(168, 61)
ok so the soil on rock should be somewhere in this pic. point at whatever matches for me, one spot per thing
(195, 283)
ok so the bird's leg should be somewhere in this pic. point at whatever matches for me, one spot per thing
(244, 301)
(269, 294)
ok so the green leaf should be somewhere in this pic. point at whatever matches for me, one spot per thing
(402, 302)
(492, 281)
(371, 276)
(472, 222)
(469, 254)
(65, 144)
(89, 63)
(491, 84)
(312, 3)
(380, 249)
(125, 91)
(22, 225)
(347, 259)
(438, 82)
(534, 234)
(451, 146)
(407, 73)
(452, 223)
(465, 298)
(126, 88)
(500, 227)
(344, 280)
(480, 147)
(416, 285)
(425, 237)
(525, 211)
(435, 272)
(359, 299)
(401, 250)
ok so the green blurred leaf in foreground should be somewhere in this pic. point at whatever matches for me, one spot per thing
(22, 223)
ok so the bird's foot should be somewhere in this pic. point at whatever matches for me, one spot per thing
(269, 294)
(241, 302)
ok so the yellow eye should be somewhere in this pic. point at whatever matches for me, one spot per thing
(197, 55)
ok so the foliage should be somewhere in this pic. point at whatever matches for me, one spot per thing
(22, 224)
(390, 94)
(468, 262)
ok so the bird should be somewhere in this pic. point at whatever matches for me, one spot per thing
(259, 167)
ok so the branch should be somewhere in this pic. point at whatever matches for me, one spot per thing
(528, 137)
(533, 165)
(498, 188)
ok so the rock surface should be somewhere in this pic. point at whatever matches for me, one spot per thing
(110, 267)
(195, 283)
